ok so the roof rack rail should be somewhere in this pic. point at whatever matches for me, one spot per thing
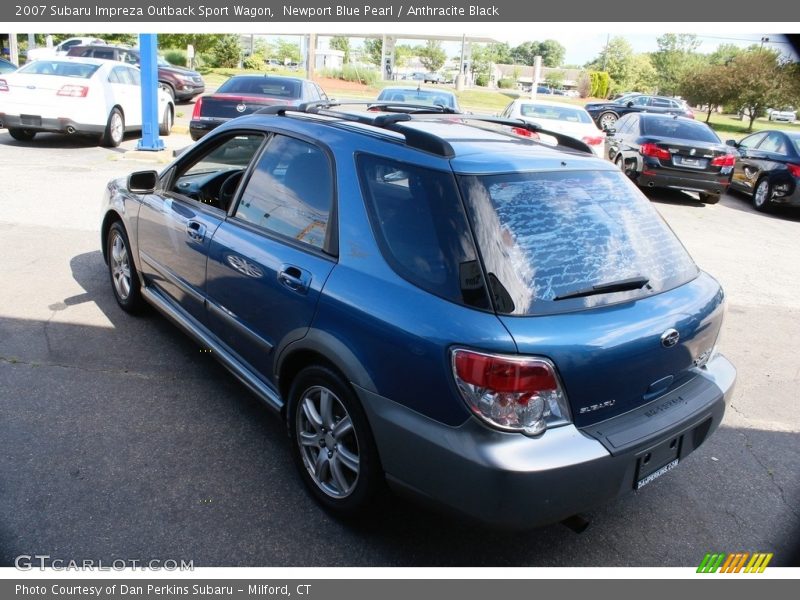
(421, 140)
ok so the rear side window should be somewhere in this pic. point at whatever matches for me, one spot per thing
(547, 235)
(421, 228)
(683, 130)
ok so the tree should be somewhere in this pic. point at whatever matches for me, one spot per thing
(617, 60)
(340, 42)
(676, 55)
(551, 51)
(287, 52)
(710, 87)
(432, 56)
(642, 76)
(403, 54)
(227, 52)
(555, 79)
(762, 81)
(724, 54)
(373, 48)
(584, 85)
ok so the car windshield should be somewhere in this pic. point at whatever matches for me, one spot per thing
(558, 113)
(544, 236)
(433, 98)
(60, 68)
(262, 86)
(678, 129)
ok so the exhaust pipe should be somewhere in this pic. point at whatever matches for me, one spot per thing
(577, 523)
(70, 129)
(651, 184)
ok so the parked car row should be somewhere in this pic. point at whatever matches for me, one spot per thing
(606, 114)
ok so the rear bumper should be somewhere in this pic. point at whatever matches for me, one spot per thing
(786, 193)
(60, 125)
(187, 92)
(693, 182)
(513, 481)
(198, 128)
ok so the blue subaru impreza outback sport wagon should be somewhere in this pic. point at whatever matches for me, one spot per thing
(499, 325)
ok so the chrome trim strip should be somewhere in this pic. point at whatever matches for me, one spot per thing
(231, 319)
(172, 278)
(254, 383)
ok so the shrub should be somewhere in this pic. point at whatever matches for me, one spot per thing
(482, 80)
(506, 84)
(254, 62)
(176, 57)
(351, 73)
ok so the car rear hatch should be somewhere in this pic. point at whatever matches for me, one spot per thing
(229, 106)
(585, 272)
(684, 146)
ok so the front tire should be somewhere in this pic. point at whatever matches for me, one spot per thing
(762, 194)
(115, 129)
(21, 135)
(122, 271)
(332, 443)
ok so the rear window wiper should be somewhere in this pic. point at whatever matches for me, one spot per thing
(623, 285)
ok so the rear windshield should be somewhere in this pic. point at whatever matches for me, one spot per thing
(262, 86)
(558, 113)
(418, 97)
(796, 143)
(683, 130)
(60, 68)
(546, 235)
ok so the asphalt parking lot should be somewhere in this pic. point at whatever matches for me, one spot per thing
(122, 440)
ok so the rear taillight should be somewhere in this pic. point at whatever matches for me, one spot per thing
(512, 393)
(73, 91)
(198, 105)
(3, 85)
(793, 169)
(724, 160)
(655, 151)
(593, 140)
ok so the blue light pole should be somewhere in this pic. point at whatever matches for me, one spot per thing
(148, 64)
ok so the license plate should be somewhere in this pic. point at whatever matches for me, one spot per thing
(697, 163)
(31, 120)
(656, 474)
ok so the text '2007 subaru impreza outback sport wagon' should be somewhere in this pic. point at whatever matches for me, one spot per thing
(499, 326)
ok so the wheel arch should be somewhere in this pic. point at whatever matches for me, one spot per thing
(111, 217)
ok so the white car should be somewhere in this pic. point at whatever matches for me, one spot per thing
(62, 48)
(787, 114)
(86, 96)
(559, 117)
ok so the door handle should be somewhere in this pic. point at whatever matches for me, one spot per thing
(196, 231)
(294, 278)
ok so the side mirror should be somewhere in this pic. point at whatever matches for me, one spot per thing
(630, 104)
(142, 182)
(732, 143)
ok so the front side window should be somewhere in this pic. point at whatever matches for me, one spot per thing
(290, 192)
(545, 237)
(213, 176)
(752, 141)
(421, 228)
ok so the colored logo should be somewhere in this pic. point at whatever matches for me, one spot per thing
(739, 562)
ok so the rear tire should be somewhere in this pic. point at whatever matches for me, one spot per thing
(21, 135)
(165, 127)
(607, 120)
(332, 443)
(762, 194)
(709, 198)
(115, 129)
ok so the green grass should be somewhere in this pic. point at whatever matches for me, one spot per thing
(730, 127)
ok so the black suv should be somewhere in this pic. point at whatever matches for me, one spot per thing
(180, 83)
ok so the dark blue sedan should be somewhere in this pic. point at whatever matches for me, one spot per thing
(436, 303)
